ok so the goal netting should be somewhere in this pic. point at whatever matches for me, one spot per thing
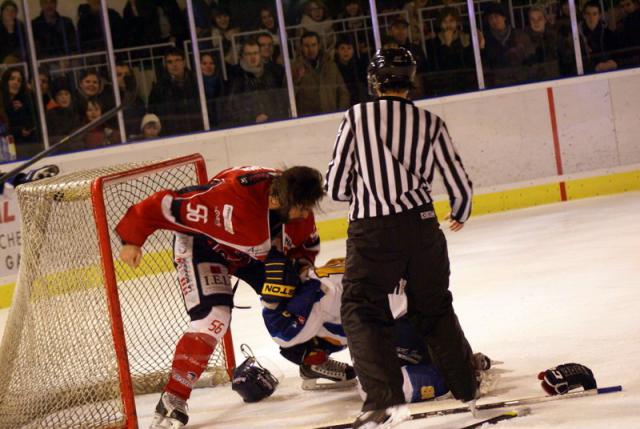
(85, 332)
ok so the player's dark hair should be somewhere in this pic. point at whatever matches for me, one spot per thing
(298, 186)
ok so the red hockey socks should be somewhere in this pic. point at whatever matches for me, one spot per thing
(189, 361)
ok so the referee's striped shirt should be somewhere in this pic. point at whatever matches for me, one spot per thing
(384, 159)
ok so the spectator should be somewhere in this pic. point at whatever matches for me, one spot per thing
(389, 5)
(45, 87)
(269, 57)
(504, 47)
(223, 29)
(13, 41)
(353, 10)
(630, 31)
(100, 135)
(135, 108)
(91, 85)
(19, 109)
(148, 22)
(544, 40)
(54, 35)
(451, 48)
(269, 24)
(254, 95)
(150, 126)
(353, 70)
(319, 86)
(316, 20)
(90, 27)
(213, 87)
(413, 11)
(61, 118)
(399, 32)
(355, 25)
(203, 14)
(450, 62)
(566, 52)
(598, 42)
(174, 97)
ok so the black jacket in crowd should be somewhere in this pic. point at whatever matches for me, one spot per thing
(14, 44)
(55, 40)
(354, 74)
(177, 104)
(144, 28)
(598, 45)
(251, 95)
(90, 29)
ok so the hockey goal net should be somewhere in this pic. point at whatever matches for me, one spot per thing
(85, 332)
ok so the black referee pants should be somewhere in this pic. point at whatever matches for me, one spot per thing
(381, 251)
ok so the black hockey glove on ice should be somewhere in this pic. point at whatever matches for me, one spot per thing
(281, 277)
(566, 377)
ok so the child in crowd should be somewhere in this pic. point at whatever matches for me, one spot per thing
(100, 135)
(150, 126)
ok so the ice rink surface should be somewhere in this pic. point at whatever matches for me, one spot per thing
(534, 288)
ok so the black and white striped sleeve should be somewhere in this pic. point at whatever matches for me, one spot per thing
(458, 185)
(339, 174)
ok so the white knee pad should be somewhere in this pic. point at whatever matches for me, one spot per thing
(215, 324)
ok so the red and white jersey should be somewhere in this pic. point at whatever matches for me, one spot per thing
(232, 209)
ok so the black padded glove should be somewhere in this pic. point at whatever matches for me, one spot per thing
(281, 277)
(566, 377)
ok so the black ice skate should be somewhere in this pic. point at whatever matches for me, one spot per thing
(171, 412)
(382, 419)
(331, 374)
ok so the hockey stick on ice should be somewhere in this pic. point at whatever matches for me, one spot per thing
(500, 404)
(507, 415)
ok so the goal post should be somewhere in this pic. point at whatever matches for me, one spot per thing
(86, 332)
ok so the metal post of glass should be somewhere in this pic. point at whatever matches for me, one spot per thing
(195, 48)
(282, 30)
(473, 25)
(375, 25)
(576, 37)
(111, 60)
(33, 61)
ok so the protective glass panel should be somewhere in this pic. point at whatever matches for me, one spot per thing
(71, 54)
(20, 131)
(241, 63)
(523, 42)
(156, 75)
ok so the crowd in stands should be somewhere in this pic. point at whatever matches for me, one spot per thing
(242, 66)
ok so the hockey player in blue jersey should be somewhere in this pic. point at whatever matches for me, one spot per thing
(308, 325)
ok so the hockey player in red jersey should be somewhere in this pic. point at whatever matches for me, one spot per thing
(225, 227)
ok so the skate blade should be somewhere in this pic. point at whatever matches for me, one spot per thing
(316, 384)
(161, 422)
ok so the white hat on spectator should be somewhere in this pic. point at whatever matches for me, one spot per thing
(150, 118)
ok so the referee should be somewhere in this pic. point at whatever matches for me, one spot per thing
(383, 163)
